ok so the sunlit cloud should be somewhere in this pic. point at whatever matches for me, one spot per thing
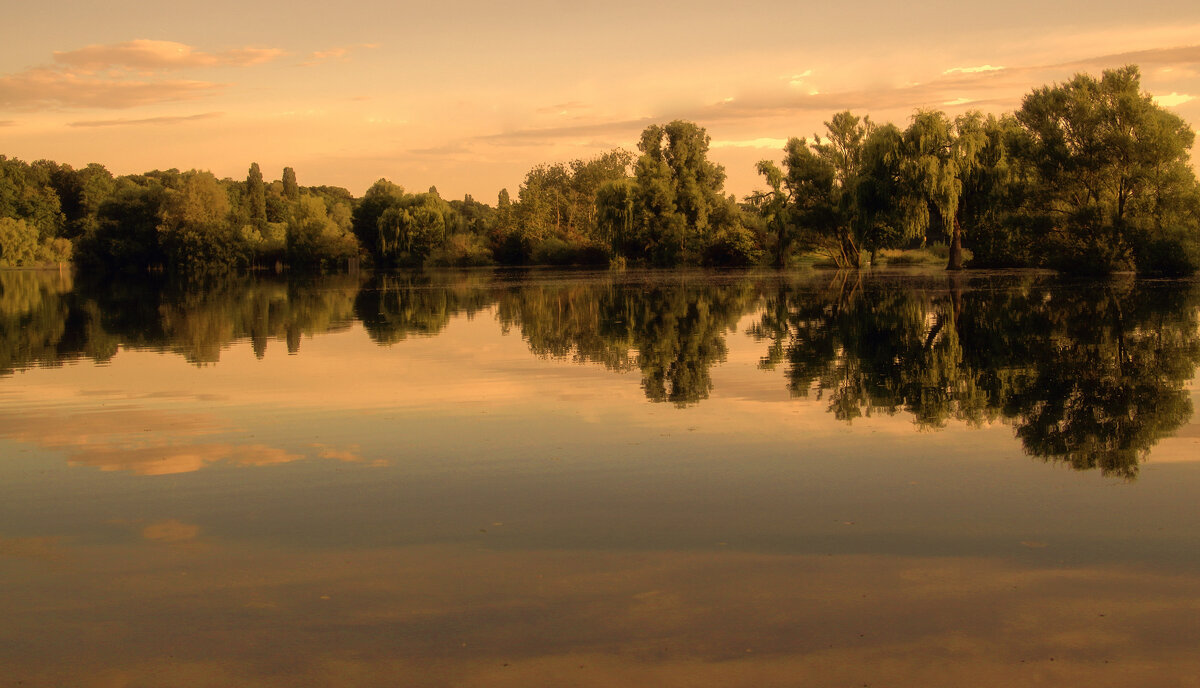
(7, 122)
(972, 70)
(797, 80)
(535, 136)
(147, 120)
(750, 143)
(145, 54)
(1179, 56)
(41, 88)
(339, 53)
(1172, 99)
(563, 109)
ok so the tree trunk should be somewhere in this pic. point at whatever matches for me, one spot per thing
(955, 262)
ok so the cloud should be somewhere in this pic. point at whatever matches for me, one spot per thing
(147, 120)
(972, 70)
(337, 53)
(536, 136)
(1182, 55)
(41, 88)
(117, 439)
(1172, 99)
(7, 122)
(351, 454)
(145, 54)
(573, 106)
(120, 75)
(797, 80)
(750, 143)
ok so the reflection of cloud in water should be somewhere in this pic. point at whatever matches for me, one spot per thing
(350, 454)
(146, 441)
(453, 616)
(171, 531)
(38, 548)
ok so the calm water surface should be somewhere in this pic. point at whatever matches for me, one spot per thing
(667, 479)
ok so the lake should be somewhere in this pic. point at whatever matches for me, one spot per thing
(600, 479)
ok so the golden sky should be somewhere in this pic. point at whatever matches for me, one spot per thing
(468, 95)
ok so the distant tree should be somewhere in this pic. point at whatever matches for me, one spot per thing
(774, 208)
(126, 236)
(1113, 171)
(196, 231)
(18, 242)
(380, 197)
(678, 187)
(615, 214)
(291, 190)
(314, 238)
(27, 193)
(938, 158)
(256, 196)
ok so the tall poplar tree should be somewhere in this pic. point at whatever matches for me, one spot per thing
(256, 196)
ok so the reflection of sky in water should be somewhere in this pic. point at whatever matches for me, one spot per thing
(453, 511)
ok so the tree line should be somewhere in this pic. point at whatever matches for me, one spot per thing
(1087, 176)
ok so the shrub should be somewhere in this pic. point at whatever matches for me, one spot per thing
(460, 251)
(1164, 258)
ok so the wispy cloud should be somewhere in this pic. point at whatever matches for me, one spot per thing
(336, 54)
(1181, 55)
(120, 75)
(147, 120)
(572, 107)
(750, 143)
(7, 122)
(798, 80)
(972, 70)
(145, 54)
(52, 88)
(536, 136)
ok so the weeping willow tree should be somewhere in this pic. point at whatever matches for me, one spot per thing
(890, 212)
(939, 154)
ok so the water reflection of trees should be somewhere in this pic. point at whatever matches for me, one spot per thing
(393, 307)
(47, 318)
(672, 332)
(1092, 376)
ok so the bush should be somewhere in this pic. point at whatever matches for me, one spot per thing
(1086, 261)
(732, 247)
(555, 251)
(460, 251)
(57, 250)
(1164, 258)
(18, 242)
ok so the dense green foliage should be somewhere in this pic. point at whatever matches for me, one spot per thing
(1087, 176)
